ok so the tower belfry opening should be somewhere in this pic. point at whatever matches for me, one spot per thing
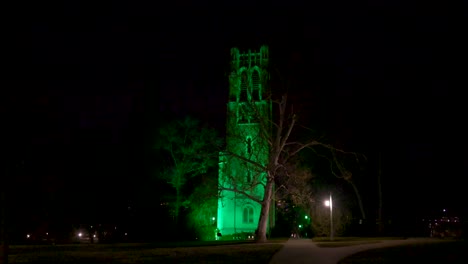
(245, 144)
(255, 86)
(243, 88)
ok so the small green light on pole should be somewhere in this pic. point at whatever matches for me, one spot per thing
(213, 218)
(300, 226)
(306, 217)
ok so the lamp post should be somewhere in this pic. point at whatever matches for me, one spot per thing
(330, 204)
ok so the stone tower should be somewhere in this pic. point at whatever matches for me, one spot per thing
(248, 116)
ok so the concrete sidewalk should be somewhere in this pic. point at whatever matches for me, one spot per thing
(296, 251)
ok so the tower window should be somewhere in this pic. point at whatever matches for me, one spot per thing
(249, 176)
(247, 217)
(255, 86)
(249, 146)
(243, 88)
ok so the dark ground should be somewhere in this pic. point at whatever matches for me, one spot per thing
(452, 252)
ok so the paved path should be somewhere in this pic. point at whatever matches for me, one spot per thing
(297, 251)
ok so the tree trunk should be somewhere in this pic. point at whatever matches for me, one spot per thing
(379, 182)
(3, 229)
(361, 207)
(265, 212)
(176, 214)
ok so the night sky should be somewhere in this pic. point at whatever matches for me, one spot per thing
(377, 75)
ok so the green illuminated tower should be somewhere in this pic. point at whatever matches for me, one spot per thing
(247, 127)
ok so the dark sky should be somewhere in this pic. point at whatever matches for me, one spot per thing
(378, 75)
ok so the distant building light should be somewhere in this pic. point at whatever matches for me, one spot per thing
(47, 233)
(94, 235)
(28, 236)
(125, 233)
(79, 234)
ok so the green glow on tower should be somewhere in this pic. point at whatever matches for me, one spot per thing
(246, 144)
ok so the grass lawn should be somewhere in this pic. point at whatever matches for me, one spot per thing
(450, 252)
(222, 252)
(349, 241)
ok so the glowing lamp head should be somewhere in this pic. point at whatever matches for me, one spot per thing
(327, 203)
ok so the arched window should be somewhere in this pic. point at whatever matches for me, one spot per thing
(247, 217)
(255, 86)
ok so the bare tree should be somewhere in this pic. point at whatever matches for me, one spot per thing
(305, 190)
(339, 170)
(281, 148)
(295, 182)
(347, 175)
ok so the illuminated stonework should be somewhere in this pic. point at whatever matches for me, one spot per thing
(248, 112)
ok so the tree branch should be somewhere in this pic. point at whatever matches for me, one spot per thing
(253, 198)
(247, 160)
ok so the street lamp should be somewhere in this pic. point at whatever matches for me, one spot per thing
(330, 204)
